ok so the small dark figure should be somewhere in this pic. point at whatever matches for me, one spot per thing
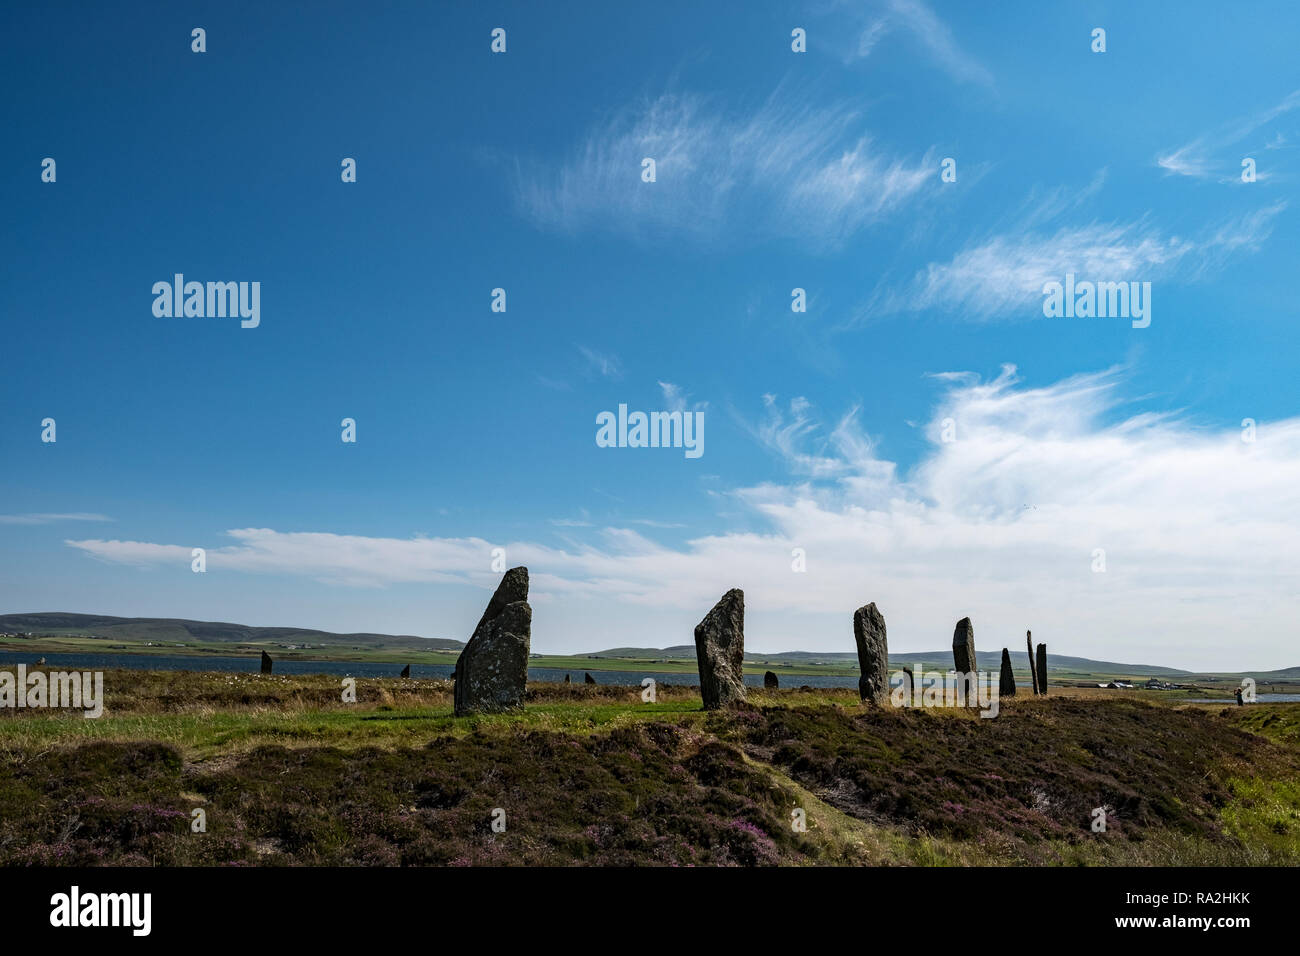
(406, 671)
(1240, 702)
(566, 679)
(589, 679)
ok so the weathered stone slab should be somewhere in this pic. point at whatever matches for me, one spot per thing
(873, 654)
(1007, 679)
(963, 647)
(1042, 669)
(492, 670)
(720, 651)
(266, 663)
(770, 681)
(1029, 651)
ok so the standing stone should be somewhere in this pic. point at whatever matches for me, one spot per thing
(492, 670)
(1007, 679)
(873, 655)
(1029, 651)
(1042, 669)
(406, 671)
(770, 681)
(266, 663)
(720, 651)
(963, 647)
(909, 685)
(587, 678)
(964, 662)
(566, 678)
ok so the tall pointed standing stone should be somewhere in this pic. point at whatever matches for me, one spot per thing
(1042, 669)
(492, 670)
(406, 671)
(1007, 679)
(873, 655)
(963, 647)
(1033, 673)
(964, 661)
(909, 685)
(720, 651)
(266, 663)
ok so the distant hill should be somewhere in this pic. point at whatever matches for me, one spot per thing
(940, 660)
(988, 660)
(177, 630)
(992, 661)
(181, 630)
(636, 653)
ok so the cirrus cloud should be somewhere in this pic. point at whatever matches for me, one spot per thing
(787, 169)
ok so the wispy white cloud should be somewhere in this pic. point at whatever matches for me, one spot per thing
(1042, 205)
(789, 169)
(675, 399)
(52, 518)
(584, 521)
(1218, 153)
(1002, 524)
(795, 434)
(554, 384)
(915, 19)
(1186, 161)
(604, 365)
(348, 560)
(1004, 274)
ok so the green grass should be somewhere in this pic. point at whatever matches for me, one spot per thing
(1277, 723)
(1264, 815)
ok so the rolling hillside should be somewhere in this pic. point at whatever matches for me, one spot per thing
(179, 630)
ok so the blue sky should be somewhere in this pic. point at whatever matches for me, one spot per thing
(775, 170)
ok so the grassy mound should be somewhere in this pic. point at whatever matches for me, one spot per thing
(287, 773)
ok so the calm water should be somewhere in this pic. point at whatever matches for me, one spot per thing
(252, 665)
